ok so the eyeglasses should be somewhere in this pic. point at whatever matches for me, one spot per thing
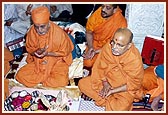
(41, 26)
(118, 45)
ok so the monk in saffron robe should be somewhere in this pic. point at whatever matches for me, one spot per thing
(49, 53)
(8, 56)
(100, 28)
(117, 74)
(153, 84)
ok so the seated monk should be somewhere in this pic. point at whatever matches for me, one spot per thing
(117, 74)
(8, 56)
(153, 84)
(49, 53)
(100, 28)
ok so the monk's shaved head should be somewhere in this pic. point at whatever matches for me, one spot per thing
(127, 33)
(121, 41)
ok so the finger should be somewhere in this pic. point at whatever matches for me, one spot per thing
(45, 53)
(46, 47)
(92, 55)
(104, 95)
(36, 54)
(84, 55)
(100, 94)
(108, 94)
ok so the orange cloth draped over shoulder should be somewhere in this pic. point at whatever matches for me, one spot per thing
(103, 30)
(54, 72)
(152, 84)
(8, 56)
(118, 70)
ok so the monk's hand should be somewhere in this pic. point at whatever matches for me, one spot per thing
(106, 88)
(92, 54)
(109, 92)
(41, 55)
(41, 52)
(8, 23)
(28, 11)
(89, 54)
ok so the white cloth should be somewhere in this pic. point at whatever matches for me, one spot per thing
(76, 68)
(24, 21)
(60, 9)
(10, 14)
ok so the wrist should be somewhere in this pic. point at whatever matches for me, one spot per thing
(48, 54)
(91, 48)
(51, 54)
(33, 53)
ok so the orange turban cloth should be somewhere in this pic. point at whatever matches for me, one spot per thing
(40, 15)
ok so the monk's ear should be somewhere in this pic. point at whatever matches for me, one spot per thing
(129, 45)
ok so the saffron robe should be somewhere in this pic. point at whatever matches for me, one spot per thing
(6, 88)
(152, 84)
(55, 72)
(103, 30)
(8, 56)
(126, 69)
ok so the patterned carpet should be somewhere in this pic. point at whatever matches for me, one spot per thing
(89, 106)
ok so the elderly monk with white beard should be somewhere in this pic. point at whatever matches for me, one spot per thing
(49, 53)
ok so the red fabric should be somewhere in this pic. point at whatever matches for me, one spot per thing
(153, 51)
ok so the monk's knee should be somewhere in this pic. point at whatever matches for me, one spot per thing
(64, 83)
(84, 84)
(61, 82)
(80, 84)
(121, 107)
(18, 78)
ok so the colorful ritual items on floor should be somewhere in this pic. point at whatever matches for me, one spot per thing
(24, 101)
(40, 98)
